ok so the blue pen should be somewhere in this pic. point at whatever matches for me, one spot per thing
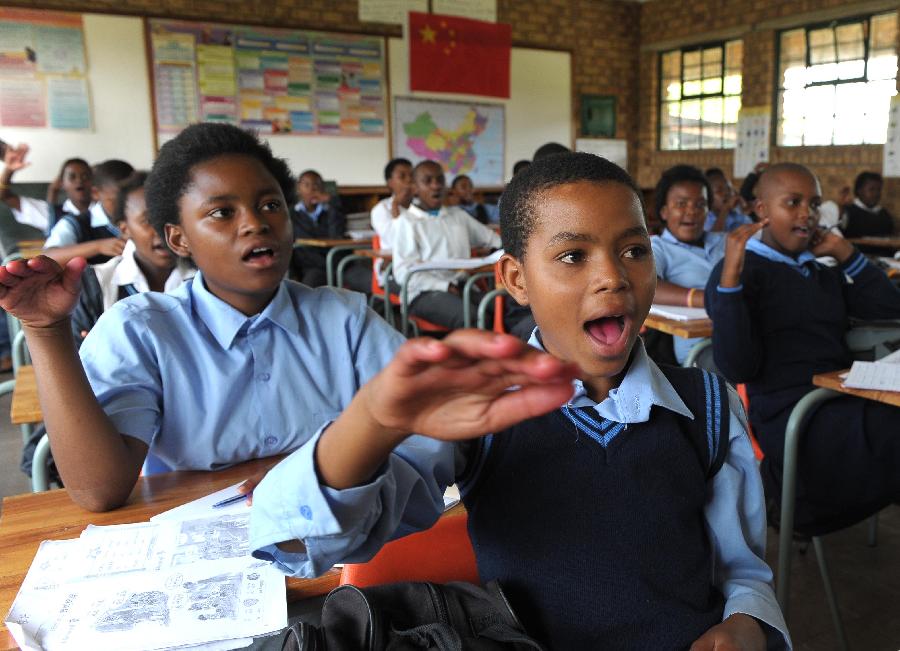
(231, 500)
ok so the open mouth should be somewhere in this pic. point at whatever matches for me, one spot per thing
(260, 255)
(608, 333)
(801, 231)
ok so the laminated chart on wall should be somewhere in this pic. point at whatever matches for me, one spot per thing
(43, 70)
(891, 163)
(272, 80)
(753, 129)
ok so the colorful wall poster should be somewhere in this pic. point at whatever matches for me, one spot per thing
(465, 137)
(43, 70)
(272, 80)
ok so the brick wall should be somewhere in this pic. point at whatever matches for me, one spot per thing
(671, 20)
(602, 36)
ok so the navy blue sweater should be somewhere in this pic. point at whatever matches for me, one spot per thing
(606, 547)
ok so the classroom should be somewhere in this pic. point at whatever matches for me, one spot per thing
(578, 302)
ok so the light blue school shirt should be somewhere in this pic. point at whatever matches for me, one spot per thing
(406, 495)
(64, 233)
(688, 266)
(491, 210)
(314, 214)
(733, 219)
(206, 386)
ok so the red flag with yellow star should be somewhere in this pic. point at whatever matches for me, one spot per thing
(458, 55)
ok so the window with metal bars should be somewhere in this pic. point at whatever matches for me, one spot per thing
(700, 96)
(836, 80)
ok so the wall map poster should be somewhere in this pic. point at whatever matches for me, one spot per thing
(272, 80)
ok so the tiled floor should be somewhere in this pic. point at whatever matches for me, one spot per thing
(867, 579)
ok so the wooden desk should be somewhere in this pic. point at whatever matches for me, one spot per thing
(375, 254)
(686, 329)
(891, 242)
(25, 407)
(833, 381)
(26, 520)
(329, 242)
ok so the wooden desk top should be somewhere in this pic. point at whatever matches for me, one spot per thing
(28, 519)
(833, 381)
(890, 242)
(25, 407)
(327, 243)
(686, 329)
(381, 254)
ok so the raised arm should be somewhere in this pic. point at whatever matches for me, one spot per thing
(737, 349)
(98, 465)
(13, 161)
(108, 246)
(452, 390)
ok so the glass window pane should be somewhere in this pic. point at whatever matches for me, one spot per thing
(851, 69)
(692, 59)
(712, 86)
(670, 125)
(794, 76)
(729, 136)
(849, 113)
(692, 88)
(822, 72)
(711, 123)
(883, 67)
(819, 124)
(850, 41)
(732, 108)
(671, 90)
(690, 124)
(733, 84)
(793, 45)
(734, 56)
(877, 105)
(883, 32)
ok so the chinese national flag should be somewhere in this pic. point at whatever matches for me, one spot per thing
(458, 55)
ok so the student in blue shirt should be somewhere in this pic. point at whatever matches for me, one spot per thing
(684, 254)
(617, 502)
(724, 211)
(236, 364)
(462, 191)
(92, 234)
(779, 318)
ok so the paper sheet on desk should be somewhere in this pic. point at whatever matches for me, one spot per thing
(877, 376)
(176, 584)
(458, 263)
(203, 507)
(678, 312)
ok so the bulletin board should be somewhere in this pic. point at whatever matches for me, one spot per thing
(43, 70)
(275, 81)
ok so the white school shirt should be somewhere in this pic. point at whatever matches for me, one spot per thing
(36, 212)
(123, 270)
(421, 237)
(383, 224)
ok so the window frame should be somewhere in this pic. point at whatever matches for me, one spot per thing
(778, 88)
(661, 103)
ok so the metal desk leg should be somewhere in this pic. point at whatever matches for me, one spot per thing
(467, 293)
(40, 478)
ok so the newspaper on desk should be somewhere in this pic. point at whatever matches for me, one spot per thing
(153, 585)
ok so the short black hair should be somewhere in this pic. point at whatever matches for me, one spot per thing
(520, 165)
(75, 161)
(519, 202)
(863, 178)
(715, 171)
(673, 176)
(171, 173)
(110, 172)
(392, 165)
(425, 162)
(459, 179)
(134, 182)
(550, 148)
(310, 173)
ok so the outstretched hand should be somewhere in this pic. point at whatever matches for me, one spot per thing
(735, 250)
(14, 158)
(459, 388)
(38, 291)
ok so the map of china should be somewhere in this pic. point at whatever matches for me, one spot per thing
(453, 149)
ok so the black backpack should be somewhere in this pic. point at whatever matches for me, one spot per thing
(408, 616)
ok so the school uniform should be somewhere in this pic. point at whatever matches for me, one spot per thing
(862, 221)
(42, 215)
(206, 386)
(85, 227)
(783, 324)
(323, 221)
(688, 266)
(733, 219)
(420, 236)
(383, 223)
(550, 512)
(104, 285)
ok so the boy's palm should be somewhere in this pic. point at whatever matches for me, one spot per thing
(38, 291)
(14, 159)
(735, 249)
(458, 388)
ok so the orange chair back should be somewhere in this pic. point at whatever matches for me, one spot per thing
(742, 392)
(499, 302)
(440, 554)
